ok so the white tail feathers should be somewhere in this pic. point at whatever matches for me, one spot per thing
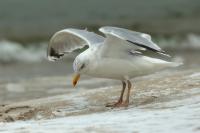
(175, 64)
(177, 61)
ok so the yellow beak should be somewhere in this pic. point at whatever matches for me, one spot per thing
(75, 79)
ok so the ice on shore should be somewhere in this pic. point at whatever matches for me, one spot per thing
(180, 116)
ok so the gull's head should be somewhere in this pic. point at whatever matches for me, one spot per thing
(79, 66)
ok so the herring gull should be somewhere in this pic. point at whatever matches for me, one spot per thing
(119, 55)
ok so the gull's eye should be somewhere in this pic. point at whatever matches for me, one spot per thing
(82, 66)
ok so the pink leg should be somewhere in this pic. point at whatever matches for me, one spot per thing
(126, 102)
(120, 100)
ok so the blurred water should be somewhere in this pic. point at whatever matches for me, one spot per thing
(36, 52)
(16, 52)
(31, 20)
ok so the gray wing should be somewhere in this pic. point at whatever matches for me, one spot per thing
(140, 39)
(68, 40)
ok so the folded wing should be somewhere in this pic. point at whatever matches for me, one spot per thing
(68, 40)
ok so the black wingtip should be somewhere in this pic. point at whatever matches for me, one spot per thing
(162, 52)
(53, 53)
(143, 46)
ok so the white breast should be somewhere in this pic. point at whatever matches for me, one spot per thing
(125, 68)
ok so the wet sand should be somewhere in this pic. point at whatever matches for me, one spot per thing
(49, 103)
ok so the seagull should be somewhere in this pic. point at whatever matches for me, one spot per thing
(120, 55)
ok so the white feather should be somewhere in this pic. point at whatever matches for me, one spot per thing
(111, 57)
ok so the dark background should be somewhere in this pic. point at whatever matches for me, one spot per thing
(36, 20)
